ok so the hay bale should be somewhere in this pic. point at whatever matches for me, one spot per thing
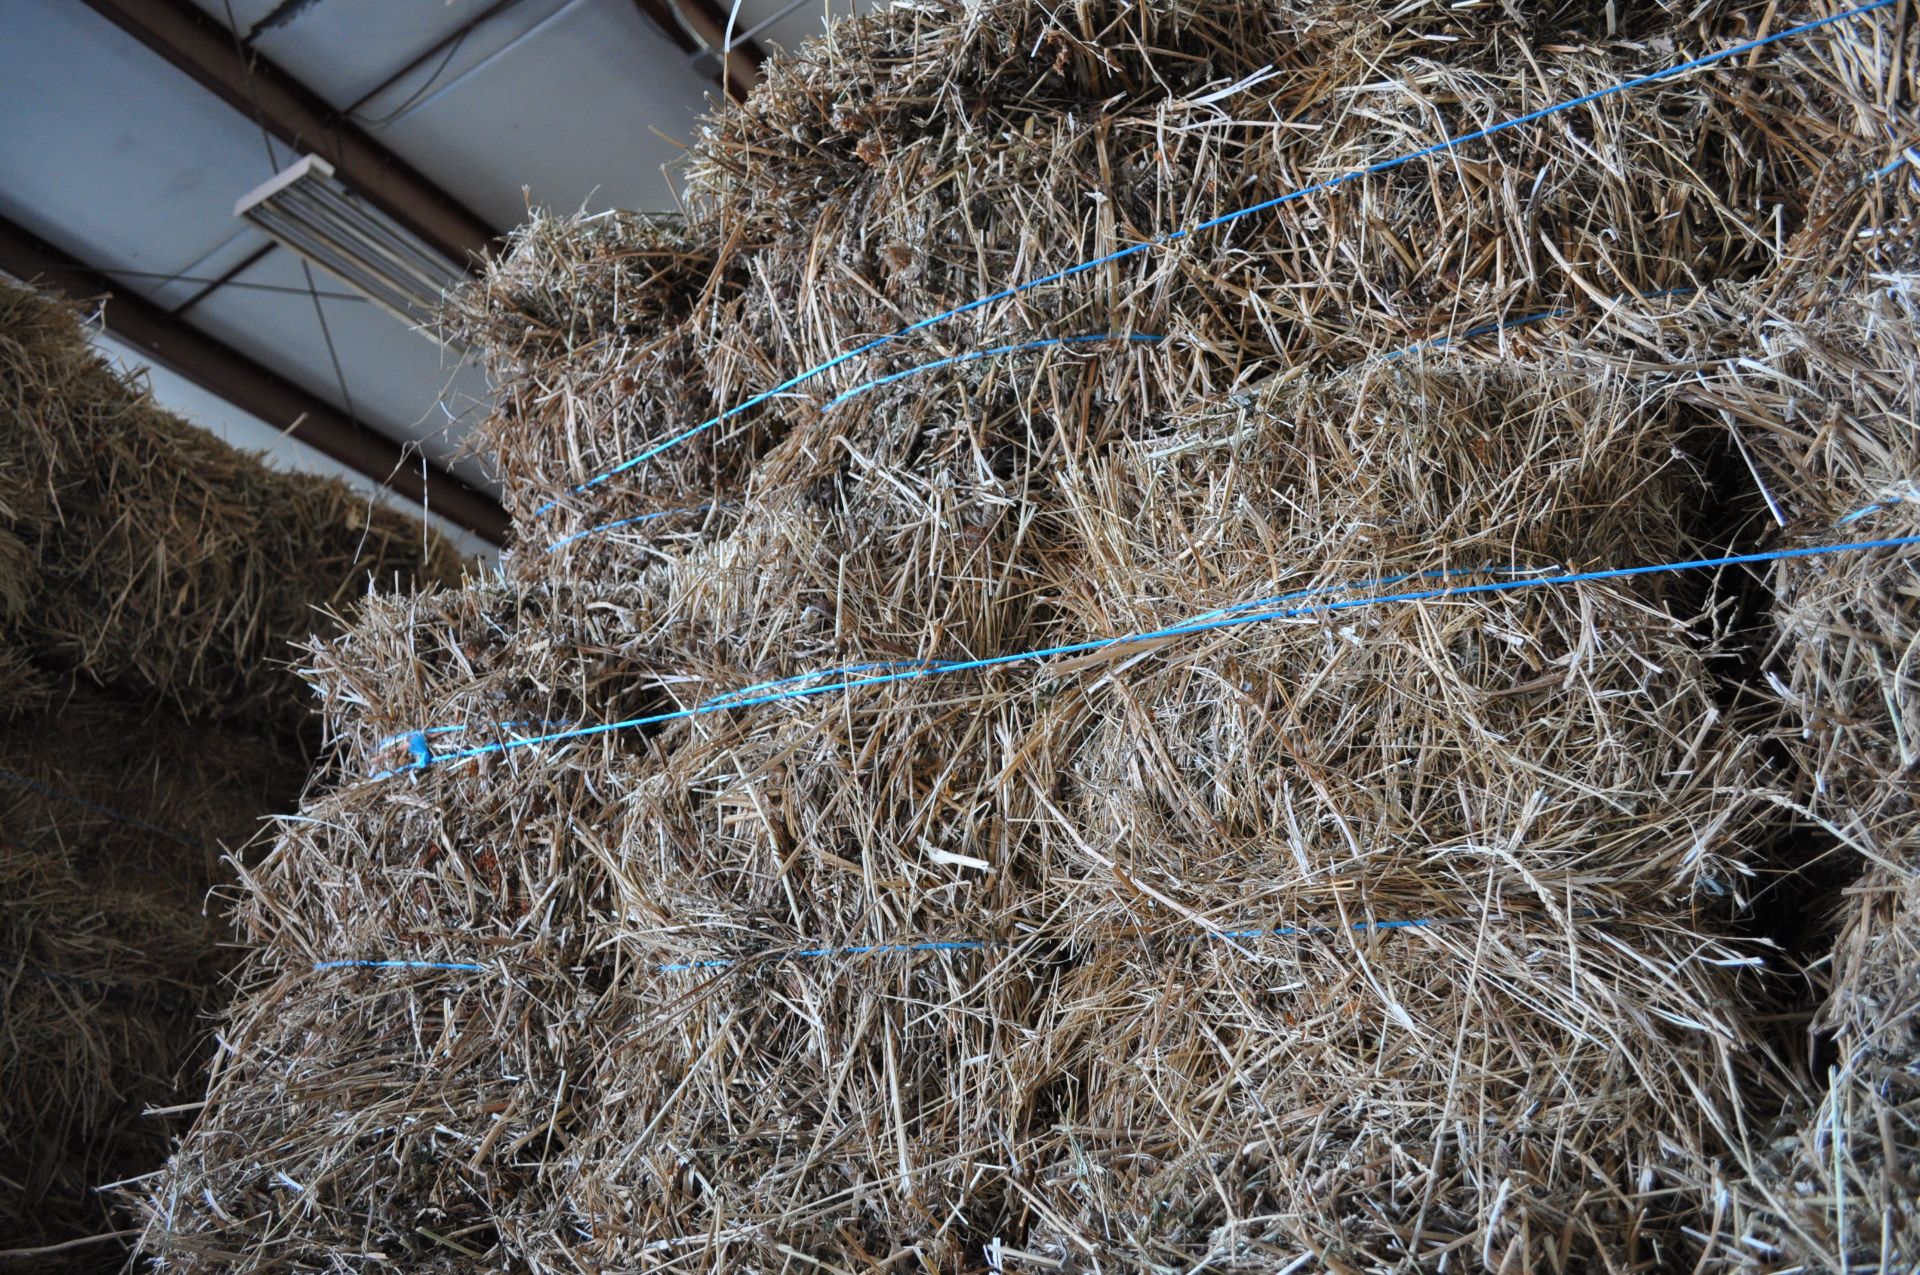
(146, 553)
(1530, 780)
(1833, 406)
(112, 821)
(596, 310)
(1845, 629)
(911, 160)
(957, 971)
(1343, 1097)
(1835, 1187)
(1574, 780)
(1810, 368)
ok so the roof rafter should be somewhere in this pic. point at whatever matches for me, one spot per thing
(224, 371)
(204, 49)
(708, 22)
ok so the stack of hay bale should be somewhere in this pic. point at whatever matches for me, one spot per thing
(152, 582)
(778, 870)
(1830, 397)
(160, 562)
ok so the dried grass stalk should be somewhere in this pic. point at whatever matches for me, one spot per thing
(1069, 1053)
(143, 551)
(112, 818)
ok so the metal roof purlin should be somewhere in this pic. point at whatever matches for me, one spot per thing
(204, 49)
(217, 367)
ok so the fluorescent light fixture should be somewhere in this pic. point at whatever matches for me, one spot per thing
(309, 211)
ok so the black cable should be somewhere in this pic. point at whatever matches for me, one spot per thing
(474, 23)
(246, 63)
(326, 334)
(165, 277)
(376, 121)
(273, 162)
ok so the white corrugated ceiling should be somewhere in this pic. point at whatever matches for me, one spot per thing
(119, 159)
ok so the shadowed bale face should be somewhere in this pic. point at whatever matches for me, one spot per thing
(146, 554)
(153, 583)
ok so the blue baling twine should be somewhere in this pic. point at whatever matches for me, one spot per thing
(1074, 648)
(623, 522)
(970, 357)
(1332, 183)
(1502, 325)
(975, 945)
(419, 745)
(869, 949)
(419, 742)
(1141, 338)
(399, 965)
(1886, 502)
(1379, 583)
(845, 671)
(1911, 155)
(904, 949)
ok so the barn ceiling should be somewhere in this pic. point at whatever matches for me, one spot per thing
(117, 158)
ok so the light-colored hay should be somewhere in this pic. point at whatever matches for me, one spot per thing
(1811, 369)
(1837, 401)
(908, 162)
(933, 1102)
(1555, 1070)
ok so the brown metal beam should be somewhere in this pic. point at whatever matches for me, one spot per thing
(709, 23)
(224, 371)
(207, 51)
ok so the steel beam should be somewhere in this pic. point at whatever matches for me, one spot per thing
(224, 371)
(709, 23)
(203, 48)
